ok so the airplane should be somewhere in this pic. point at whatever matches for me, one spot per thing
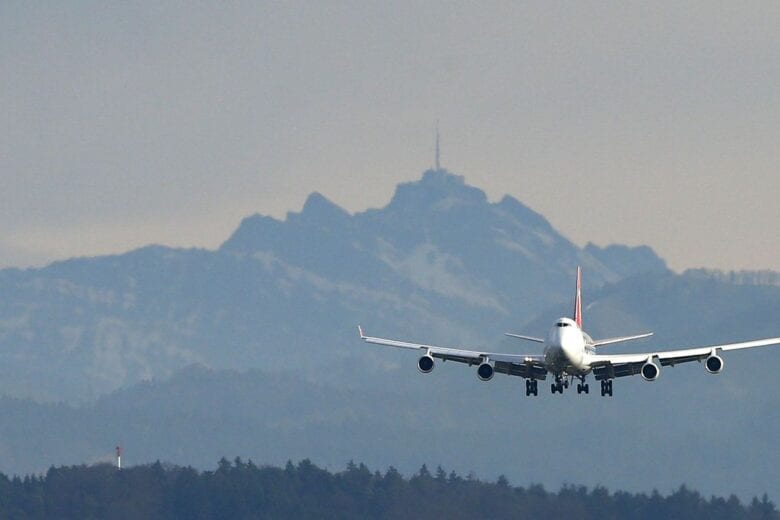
(569, 354)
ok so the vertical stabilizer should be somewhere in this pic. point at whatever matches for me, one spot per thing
(578, 299)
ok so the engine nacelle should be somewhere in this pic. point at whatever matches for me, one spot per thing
(713, 364)
(650, 371)
(485, 372)
(425, 364)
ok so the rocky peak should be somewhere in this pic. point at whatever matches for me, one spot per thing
(436, 186)
(318, 209)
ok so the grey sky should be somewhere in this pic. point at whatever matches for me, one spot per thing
(129, 123)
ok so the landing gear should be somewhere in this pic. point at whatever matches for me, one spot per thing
(606, 387)
(582, 386)
(562, 382)
(531, 387)
(559, 385)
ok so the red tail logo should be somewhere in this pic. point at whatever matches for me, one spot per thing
(578, 299)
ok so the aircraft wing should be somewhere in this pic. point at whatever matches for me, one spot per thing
(618, 365)
(523, 365)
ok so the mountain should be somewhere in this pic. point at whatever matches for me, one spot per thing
(626, 261)
(287, 294)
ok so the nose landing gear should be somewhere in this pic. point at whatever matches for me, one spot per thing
(559, 385)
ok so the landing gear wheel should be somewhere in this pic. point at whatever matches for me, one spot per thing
(559, 385)
(582, 386)
(531, 387)
(606, 387)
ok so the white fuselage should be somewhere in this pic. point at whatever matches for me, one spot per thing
(567, 348)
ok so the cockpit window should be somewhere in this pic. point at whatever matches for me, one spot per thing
(563, 324)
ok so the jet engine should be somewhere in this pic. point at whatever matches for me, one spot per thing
(714, 364)
(425, 364)
(485, 372)
(650, 371)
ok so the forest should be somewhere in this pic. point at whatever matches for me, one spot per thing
(241, 489)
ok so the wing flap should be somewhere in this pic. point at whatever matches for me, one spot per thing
(526, 370)
(610, 371)
(452, 357)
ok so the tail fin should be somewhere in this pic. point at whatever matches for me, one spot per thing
(578, 299)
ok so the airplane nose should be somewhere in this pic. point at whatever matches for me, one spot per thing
(555, 339)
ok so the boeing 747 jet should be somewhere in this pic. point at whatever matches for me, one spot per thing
(569, 354)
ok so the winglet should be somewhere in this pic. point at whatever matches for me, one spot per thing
(360, 330)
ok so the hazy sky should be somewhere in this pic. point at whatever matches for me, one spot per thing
(128, 123)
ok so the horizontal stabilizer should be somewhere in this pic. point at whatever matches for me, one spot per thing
(527, 338)
(610, 341)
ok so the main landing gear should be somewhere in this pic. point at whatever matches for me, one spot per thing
(531, 387)
(561, 383)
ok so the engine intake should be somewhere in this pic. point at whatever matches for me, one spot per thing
(650, 371)
(485, 372)
(714, 364)
(425, 364)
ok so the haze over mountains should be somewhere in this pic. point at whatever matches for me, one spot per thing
(269, 321)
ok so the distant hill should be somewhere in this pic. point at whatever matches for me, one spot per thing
(708, 428)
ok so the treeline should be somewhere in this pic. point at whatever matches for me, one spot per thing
(244, 490)
(759, 278)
